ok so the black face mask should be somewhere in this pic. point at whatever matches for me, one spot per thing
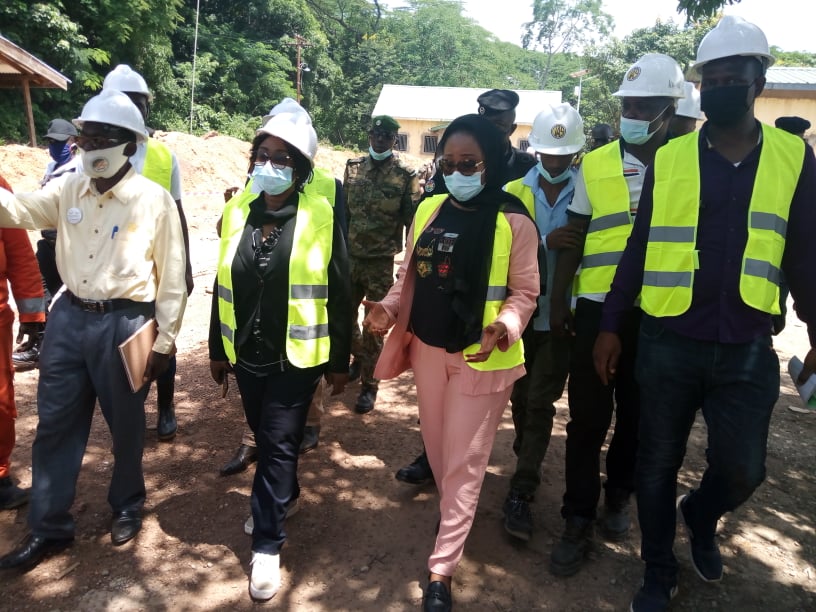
(725, 106)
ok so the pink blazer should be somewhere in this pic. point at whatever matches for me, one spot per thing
(522, 292)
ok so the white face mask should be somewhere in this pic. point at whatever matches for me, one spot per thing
(380, 156)
(464, 188)
(271, 180)
(103, 163)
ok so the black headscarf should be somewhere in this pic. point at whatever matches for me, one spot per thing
(474, 247)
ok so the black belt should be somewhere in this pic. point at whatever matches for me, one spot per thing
(101, 306)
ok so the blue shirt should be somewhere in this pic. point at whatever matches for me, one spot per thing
(548, 216)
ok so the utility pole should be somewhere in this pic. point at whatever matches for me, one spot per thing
(300, 66)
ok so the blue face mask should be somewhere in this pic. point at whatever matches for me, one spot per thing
(564, 176)
(636, 131)
(271, 180)
(380, 156)
(464, 188)
(60, 152)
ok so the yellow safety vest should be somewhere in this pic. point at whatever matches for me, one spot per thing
(523, 193)
(158, 164)
(496, 284)
(671, 253)
(323, 184)
(611, 221)
(307, 333)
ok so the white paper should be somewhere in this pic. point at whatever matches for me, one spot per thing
(808, 389)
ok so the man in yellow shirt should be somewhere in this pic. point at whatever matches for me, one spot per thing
(120, 253)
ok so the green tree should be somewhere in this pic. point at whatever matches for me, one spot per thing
(608, 63)
(559, 26)
(793, 58)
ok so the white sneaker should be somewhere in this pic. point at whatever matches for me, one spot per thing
(265, 577)
(291, 510)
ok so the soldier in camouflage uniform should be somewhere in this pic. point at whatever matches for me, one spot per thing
(381, 192)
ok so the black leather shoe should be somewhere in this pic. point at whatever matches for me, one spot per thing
(11, 496)
(354, 370)
(419, 472)
(437, 598)
(243, 457)
(166, 426)
(33, 550)
(311, 436)
(26, 359)
(365, 403)
(125, 525)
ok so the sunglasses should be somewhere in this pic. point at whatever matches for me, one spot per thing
(97, 143)
(278, 160)
(465, 167)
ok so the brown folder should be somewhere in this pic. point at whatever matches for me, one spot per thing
(135, 351)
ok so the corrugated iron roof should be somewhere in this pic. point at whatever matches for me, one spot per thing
(17, 64)
(785, 77)
(444, 104)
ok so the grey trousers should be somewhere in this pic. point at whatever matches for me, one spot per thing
(80, 363)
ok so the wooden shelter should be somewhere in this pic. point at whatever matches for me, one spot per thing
(18, 68)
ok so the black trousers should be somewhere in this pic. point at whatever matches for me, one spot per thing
(276, 405)
(591, 405)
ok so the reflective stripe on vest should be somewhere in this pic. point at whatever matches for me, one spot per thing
(158, 163)
(307, 334)
(322, 184)
(611, 221)
(671, 253)
(496, 283)
(523, 193)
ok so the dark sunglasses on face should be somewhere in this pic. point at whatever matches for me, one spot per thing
(97, 143)
(465, 167)
(278, 160)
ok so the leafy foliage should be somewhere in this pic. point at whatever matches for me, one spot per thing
(246, 58)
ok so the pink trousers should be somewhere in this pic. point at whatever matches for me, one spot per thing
(458, 431)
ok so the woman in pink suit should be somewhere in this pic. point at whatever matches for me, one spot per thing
(465, 293)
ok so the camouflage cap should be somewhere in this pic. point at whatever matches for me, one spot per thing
(384, 123)
(497, 101)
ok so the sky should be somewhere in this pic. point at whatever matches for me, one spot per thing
(786, 23)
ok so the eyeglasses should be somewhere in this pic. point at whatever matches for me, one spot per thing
(465, 167)
(278, 160)
(96, 143)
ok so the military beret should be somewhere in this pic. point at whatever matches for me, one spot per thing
(384, 123)
(60, 129)
(794, 125)
(497, 101)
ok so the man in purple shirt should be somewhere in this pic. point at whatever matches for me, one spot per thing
(705, 337)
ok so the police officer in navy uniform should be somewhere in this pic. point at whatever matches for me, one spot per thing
(499, 106)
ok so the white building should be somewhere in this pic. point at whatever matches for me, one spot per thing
(424, 112)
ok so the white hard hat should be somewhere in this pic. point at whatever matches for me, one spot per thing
(557, 130)
(124, 78)
(287, 105)
(689, 106)
(295, 129)
(113, 108)
(653, 75)
(732, 36)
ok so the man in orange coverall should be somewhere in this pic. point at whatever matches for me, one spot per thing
(18, 265)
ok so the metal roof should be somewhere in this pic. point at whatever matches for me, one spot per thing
(446, 103)
(787, 78)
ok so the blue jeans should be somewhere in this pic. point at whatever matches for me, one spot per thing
(737, 386)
